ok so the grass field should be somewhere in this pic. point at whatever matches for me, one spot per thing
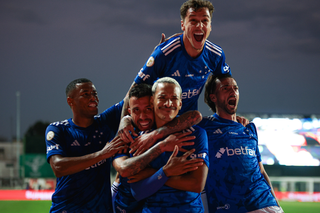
(44, 206)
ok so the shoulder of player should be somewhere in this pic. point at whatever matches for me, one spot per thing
(206, 120)
(55, 129)
(116, 108)
(169, 46)
(213, 48)
(196, 130)
(252, 127)
(214, 122)
(59, 124)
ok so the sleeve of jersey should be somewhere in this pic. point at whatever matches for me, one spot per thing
(201, 145)
(54, 141)
(223, 67)
(147, 187)
(203, 122)
(152, 69)
(253, 129)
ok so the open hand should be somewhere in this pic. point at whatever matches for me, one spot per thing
(180, 165)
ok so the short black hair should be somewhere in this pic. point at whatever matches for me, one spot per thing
(195, 4)
(140, 90)
(210, 88)
(72, 85)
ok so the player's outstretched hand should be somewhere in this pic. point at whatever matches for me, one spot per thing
(117, 145)
(126, 129)
(142, 143)
(145, 141)
(177, 139)
(180, 165)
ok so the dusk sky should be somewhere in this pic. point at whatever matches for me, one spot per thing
(272, 47)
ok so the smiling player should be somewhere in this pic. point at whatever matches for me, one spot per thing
(189, 58)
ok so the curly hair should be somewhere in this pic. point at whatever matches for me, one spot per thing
(195, 4)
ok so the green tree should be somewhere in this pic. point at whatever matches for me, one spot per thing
(35, 138)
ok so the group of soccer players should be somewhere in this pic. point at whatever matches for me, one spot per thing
(164, 160)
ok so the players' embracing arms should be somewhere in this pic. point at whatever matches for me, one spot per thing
(193, 181)
(145, 141)
(63, 166)
(131, 166)
(179, 173)
(149, 180)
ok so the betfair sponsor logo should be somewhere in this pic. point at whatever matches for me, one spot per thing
(190, 93)
(200, 155)
(236, 151)
(97, 164)
(143, 76)
(52, 147)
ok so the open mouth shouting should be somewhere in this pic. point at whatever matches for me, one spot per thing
(198, 36)
(232, 102)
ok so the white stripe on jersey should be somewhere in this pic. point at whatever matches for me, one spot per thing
(57, 123)
(213, 48)
(175, 47)
(174, 44)
(190, 129)
(211, 118)
(174, 40)
(219, 49)
(217, 53)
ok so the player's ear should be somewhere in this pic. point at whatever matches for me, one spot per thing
(180, 104)
(213, 98)
(129, 110)
(69, 101)
(182, 25)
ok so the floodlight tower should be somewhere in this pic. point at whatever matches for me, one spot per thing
(18, 132)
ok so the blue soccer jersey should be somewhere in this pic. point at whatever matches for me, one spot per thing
(234, 182)
(124, 200)
(88, 190)
(167, 199)
(170, 59)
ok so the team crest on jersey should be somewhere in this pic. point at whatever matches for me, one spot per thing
(150, 62)
(50, 135)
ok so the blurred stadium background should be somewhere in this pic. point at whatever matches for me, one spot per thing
(289, 145)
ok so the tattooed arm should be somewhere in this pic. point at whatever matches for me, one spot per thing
(145, 141)
(131, 166)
